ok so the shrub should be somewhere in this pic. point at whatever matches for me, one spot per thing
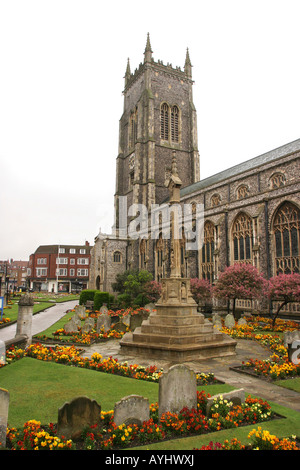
(87, 294)
(101, 298)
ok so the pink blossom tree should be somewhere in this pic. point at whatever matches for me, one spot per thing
(152, 291)
(284, 288)
(201, 289)
(239, 281)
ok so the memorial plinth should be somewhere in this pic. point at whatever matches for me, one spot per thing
(176, 331)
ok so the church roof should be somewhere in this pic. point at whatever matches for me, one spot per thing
(255, 162)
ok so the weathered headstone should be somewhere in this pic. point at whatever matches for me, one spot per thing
(71, 326)
(242, 321)
(229, 321)
(104, 309)
(81, 311)
(236, 397)
(177, 389)
(76, 319)
(89, 324)
(217, 322)
(151, 306)
(120, 326)
(137, 319)
(74, 416)
(4, 405)
(126, 319)
(103, 322)
(132, 409)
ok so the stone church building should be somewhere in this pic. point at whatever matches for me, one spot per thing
(251, 211)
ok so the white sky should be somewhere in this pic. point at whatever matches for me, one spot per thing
(62, 67)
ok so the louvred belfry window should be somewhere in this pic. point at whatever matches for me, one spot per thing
(164, 115)
(286, 229)
(174, 123)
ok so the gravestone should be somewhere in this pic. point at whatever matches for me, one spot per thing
(126, 319)
(291, 340)
(76, 319)
(80, 311)
(103, 322)
(150, 307)
(236, 397)
(4, 405)
(177, 389)
(89, 324)
(137, 319)
(217, 322)
(74, 416)
(104, 309)
(132, 409)
(242, 321)
(120, 326)
(229, 321)
(71, 326)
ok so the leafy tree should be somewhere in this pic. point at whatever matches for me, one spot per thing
(239, 281)
(284, 288)
(152, 291)
(201, 289)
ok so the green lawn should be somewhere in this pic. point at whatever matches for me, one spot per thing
(38, 389)
(41, 303)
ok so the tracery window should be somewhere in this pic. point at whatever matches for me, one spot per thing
(277, 180)
(242, 236)
(286, 229)
(215, 200)
(117, 257)
(242, 191)
(208, 252)
(174, 123)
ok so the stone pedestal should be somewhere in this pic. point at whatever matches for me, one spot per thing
(176, 331)
(24, 322)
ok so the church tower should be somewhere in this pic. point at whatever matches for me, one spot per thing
(158, 117)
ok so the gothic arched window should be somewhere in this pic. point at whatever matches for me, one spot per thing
(174, 124)
(117, 257)
(286, 229)
(164, 121)
(143, 253)
(159, 255)
(277, 180)
(242, 235)
(207, 262)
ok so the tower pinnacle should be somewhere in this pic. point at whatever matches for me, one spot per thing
(188, 65)
(148, 50)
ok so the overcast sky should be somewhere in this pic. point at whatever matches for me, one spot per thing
(62, 67)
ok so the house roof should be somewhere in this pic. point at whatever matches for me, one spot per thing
(255, 162)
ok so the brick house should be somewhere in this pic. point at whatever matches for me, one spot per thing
(60, 268)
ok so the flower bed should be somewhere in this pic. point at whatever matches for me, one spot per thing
(107, 435)
(277, 366)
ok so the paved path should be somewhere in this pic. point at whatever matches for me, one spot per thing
(220, 367)
(40, 321)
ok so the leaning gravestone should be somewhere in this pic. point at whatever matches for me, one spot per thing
(132, 409)
(71, 326)
(74, 416)
(4, 405)
(236, 397)
(229, 321)
(103, 309)
(177, 389)
(103, 322)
